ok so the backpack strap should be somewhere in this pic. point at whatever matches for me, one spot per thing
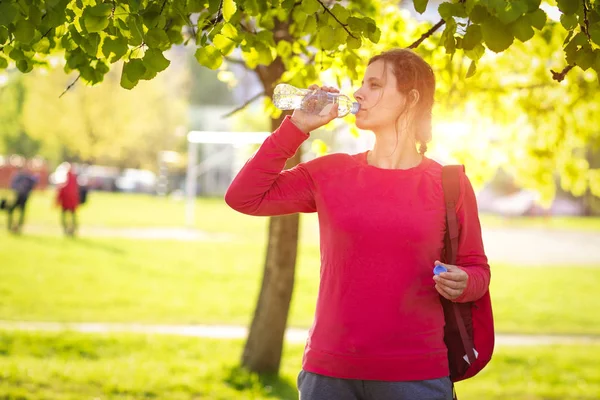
(451, 186)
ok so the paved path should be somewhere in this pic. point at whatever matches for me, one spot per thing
(536, 246)
(293, 335)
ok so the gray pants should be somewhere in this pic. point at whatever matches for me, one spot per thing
(319, 387)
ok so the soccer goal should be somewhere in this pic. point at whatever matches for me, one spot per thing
(195, 169)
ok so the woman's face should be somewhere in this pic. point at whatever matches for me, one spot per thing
(380, 101)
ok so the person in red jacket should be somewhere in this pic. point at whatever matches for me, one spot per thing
(378, 331)
(68, 199)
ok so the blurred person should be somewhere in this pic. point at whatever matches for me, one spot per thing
(378, 331)
(68, 199)
(22, 184)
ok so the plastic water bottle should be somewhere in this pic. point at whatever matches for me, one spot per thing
(288, 97)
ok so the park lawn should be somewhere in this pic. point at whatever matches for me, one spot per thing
(50, 278)
(71, 366)
(122, 210)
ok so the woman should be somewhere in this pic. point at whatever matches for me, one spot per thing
(379, 325)
(68, 199)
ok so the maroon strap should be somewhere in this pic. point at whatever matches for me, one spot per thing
(451, 186)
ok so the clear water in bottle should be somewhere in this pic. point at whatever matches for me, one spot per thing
(288, 97)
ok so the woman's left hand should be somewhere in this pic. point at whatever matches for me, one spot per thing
(451, 284)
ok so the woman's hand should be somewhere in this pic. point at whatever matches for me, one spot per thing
(309, 122)
(451, 284)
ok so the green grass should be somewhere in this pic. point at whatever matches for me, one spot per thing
(69, 366)
(119, 210)
(49, 278)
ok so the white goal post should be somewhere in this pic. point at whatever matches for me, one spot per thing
(194, 169)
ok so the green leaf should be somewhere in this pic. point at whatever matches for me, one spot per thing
(125, 82)
(90, 45)
(472, 69)
(341, 13)
(585, 58)
(229, 31)
(265, 37)
(134, 69)
(35, 15)
(265, 56)
(567, 6)
(209, 56)
(446, 11)
(310, 6)
(136, 30)
(327, 38)
(571, 49)
(496, 35)
(373, 32)
(175, 36)
(3, 35)
(154, 60)
(310, 26)
(24, 31)
(594, 33)
(42, 46)
(568, 21)
(195, 6)
(479, 14)
(224, 44)
(533, 5)
(16, 54)
(3, 63)
(353, 43)
(95, 19)
(100, 10)
(229, 8)
(538, 19)
(24, 65)
(157, 39)
(116, 47)
(8, 12)
(511, 11)
(472, 37)
(476, 53)
(420, 5)
(284, 48)
(522, 29)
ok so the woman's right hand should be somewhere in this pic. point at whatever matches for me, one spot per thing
(309, 122)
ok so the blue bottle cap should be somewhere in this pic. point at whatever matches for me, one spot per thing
(439, 269)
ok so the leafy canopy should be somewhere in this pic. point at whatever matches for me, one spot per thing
(93, 34)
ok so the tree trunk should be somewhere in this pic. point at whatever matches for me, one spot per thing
(262, 353)
(264, 345)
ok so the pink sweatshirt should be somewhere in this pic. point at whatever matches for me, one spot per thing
(378, 315)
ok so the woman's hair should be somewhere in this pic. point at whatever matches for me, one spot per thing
(413, 73)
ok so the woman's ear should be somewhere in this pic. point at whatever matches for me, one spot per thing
(413, 97)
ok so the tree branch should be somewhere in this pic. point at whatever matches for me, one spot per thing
(235, 61)
(246, 104)
(586, 27)
(559, 76)
(163, 7)
(424, 36)
(70, 86)
(338, 21)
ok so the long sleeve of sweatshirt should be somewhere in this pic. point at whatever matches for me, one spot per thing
(471, 256)
(263, 188)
